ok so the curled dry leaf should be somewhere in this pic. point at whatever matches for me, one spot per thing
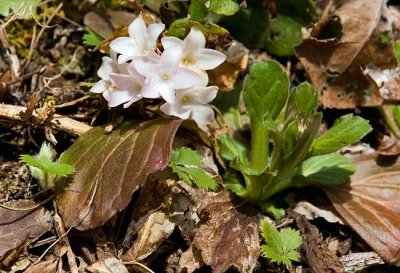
(110, 168)
(370, 204)
(155, 230)
(227, 237)
(319, 257)
(335, 66)
(108, 265)
(49, 266)
(19, 226)
(311, 212)
(225, 75)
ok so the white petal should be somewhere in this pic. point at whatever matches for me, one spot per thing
(138, 31)
(203, 95)
(175, 110)
(194, 41)
(116, 98)
(184, 78)
(168, 93)
(100, 86)
(107, 67)
(147, 67)
(125, 46)
(152, 89)
(126, 82)
(171, 41)
(207, 59)
(171, 58)
(202, 114)
(153, 31)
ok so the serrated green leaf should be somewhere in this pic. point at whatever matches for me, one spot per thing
(265, 93)
(346, 130)
(31, 161)
(90, 38)
(198, 10)
(285, 35)
(329, 169)
(280, 246)
(60, 169)
(224, 7)
(201, 178)
(186, 156)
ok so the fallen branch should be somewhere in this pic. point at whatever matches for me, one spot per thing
(60, 122)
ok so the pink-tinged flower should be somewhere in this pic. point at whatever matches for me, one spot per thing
(195, 56)
(125, 88)
(193, 103)
(164, 75)
(109, 66)
(141, 41)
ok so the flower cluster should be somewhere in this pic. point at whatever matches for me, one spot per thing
(136, 70)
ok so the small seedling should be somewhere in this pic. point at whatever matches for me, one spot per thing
(44, 168)
(280, 247)
(187, 163)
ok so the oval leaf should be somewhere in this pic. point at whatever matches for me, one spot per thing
(109, 168)
(370, 204)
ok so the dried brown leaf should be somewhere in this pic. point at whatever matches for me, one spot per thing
(225, 75)
(155, 230)
(370, 204)
(336, 67)
(19, 226)
(109, 168)
(106, 23)
(320, 259)
(108, 265)
(49, 266)
(228, 235)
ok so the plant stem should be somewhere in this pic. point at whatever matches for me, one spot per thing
(259, 146)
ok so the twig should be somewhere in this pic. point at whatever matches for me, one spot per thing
(62, 123)
(59, 225)
(44, 27)
(323, 21)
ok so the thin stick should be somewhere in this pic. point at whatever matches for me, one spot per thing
(59, 225)
(60, 122)
(72, 103)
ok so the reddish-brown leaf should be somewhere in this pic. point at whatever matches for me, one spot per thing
(370, 204)
(109, 168)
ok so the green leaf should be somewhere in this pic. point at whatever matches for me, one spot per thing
(31, 161)
(397, 52)
(198, 10)
(90, 38)
(186, 163)
(224, 7)
(60, 169)
(186, 156)
(346, 130)
(303, 101)
(180, 27)
(265, 93)
(23, 8)
(281, 246)
(285, 35)
(234, 183)
(200, 178)
(231, 149)
(329, 169)
(269, 207)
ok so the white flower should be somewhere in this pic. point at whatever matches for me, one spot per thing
(193, 103)
(164, 74)
(125, 88)
(195, 56)
(108, 67)
(141, 41)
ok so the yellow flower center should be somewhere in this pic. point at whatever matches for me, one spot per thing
(165, 77)
(185, 99)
